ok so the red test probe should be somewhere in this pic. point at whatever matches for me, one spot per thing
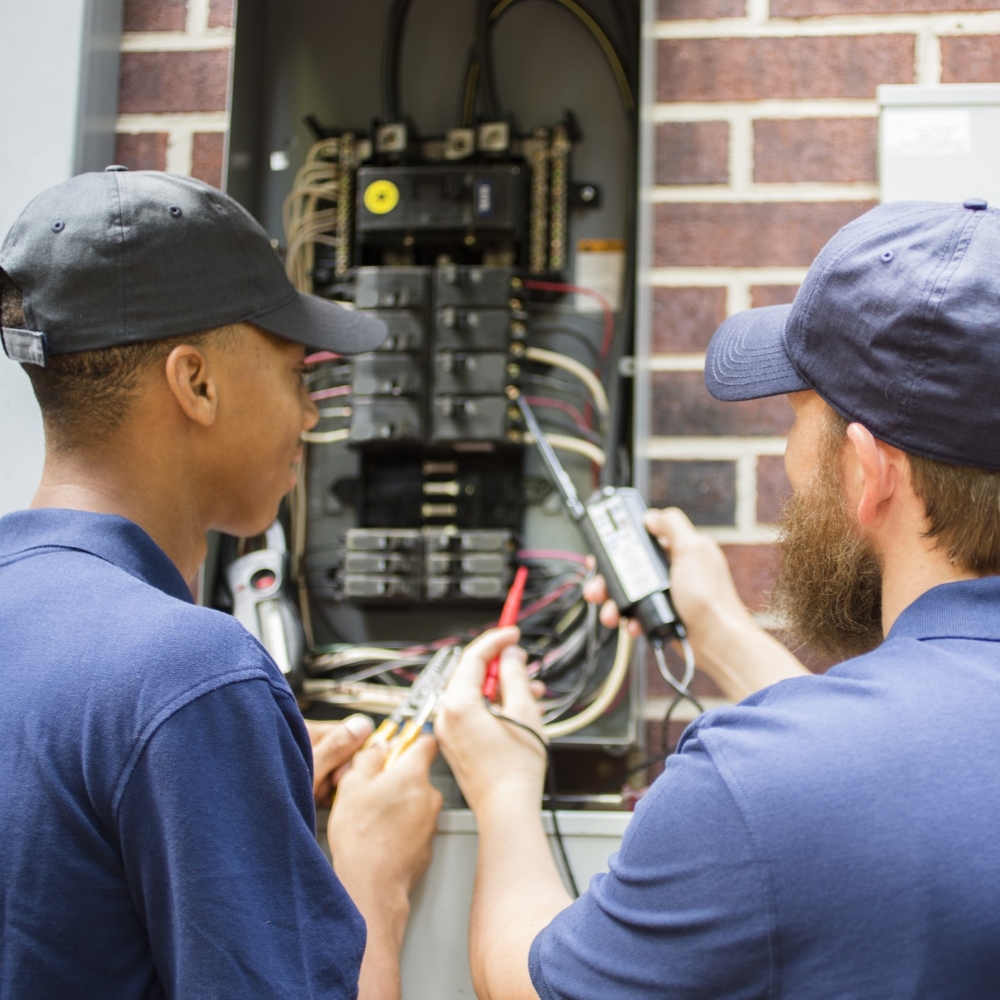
(509, 615)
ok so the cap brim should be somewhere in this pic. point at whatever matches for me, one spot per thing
(747, 357)
(325, 325)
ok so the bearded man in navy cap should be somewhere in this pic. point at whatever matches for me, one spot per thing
(156, 777)
(828, 836)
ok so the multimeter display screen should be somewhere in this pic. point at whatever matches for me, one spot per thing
(625, 548)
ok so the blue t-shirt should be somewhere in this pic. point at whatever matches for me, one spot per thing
(156, 813)
(834, 836)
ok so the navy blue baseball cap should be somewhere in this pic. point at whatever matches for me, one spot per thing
(123, 257)
(896, 326)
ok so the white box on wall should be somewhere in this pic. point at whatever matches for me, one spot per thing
(939, 143)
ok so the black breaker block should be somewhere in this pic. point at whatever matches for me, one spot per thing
(406, 565)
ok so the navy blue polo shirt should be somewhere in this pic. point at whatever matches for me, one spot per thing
(834, 836)
(156, 813)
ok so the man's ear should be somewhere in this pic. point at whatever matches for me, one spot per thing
(193, 384)
(873, 471)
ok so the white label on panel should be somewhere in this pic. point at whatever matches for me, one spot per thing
(927, 133)
(600, 266)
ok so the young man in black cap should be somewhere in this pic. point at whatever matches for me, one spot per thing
(830, 836)
(156, 777)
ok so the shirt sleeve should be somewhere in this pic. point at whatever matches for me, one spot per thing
(216, 832)
(684, 911)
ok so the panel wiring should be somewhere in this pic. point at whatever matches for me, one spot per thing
(421, 442)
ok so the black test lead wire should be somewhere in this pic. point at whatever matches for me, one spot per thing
(551, 782)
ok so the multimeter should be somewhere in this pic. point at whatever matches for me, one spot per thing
(631, 561)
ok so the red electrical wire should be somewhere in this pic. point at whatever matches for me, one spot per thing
(315, 359)
(337, 390)
(609, 313)
(560, 404)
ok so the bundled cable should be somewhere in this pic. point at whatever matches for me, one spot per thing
(305, 223)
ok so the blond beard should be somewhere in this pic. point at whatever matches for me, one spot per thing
(829, 589)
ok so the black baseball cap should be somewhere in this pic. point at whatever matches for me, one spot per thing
(123, 257)
(896, 326)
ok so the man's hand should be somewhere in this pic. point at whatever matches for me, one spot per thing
(501, 771)
(380, 834)
(383, 820)
(333, 746)
(491, 758)
(701, 585)
(729, 646)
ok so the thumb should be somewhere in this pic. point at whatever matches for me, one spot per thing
(671, 526)
(515, 688)
(472, 667)
(339, 744)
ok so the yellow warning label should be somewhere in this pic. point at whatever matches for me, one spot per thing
(381, 197)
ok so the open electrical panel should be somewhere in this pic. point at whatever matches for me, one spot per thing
(497, 246)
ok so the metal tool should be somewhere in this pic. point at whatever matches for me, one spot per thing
(403, 726)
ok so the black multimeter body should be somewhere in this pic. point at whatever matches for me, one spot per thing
(634, 567)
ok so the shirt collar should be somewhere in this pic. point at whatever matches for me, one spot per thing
(107, 536)
(966, 609)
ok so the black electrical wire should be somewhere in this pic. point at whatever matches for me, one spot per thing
(568, 331)
(392, 44)
(486, 75)
(661, 758)
(622, 71)
(553, 799)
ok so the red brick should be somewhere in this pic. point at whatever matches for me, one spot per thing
(144, 151)
(692, 153)
(220, 13)
(749, 69)
(771, 295)
(773, 488)
(207, 153)
(676, 10)
(684, 319)
(154, 15)
(705, 491)
(775, 234)
(970, 59)
(682, 406)
(819, 8)
(157, 82)
(814, 149)
(754, 569)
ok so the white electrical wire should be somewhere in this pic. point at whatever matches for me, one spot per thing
(304, 226)
(680, 686)
(325, 437)
(564, 442)
(607, 694)
(574, 367)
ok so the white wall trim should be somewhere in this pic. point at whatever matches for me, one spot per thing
(760, 193)
(197, 121)
(712, 277)
(716, 448)
(972, 23)
(177, 41)
(737, 111)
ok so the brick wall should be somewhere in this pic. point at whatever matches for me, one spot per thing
(173, 105)
(765, 145)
